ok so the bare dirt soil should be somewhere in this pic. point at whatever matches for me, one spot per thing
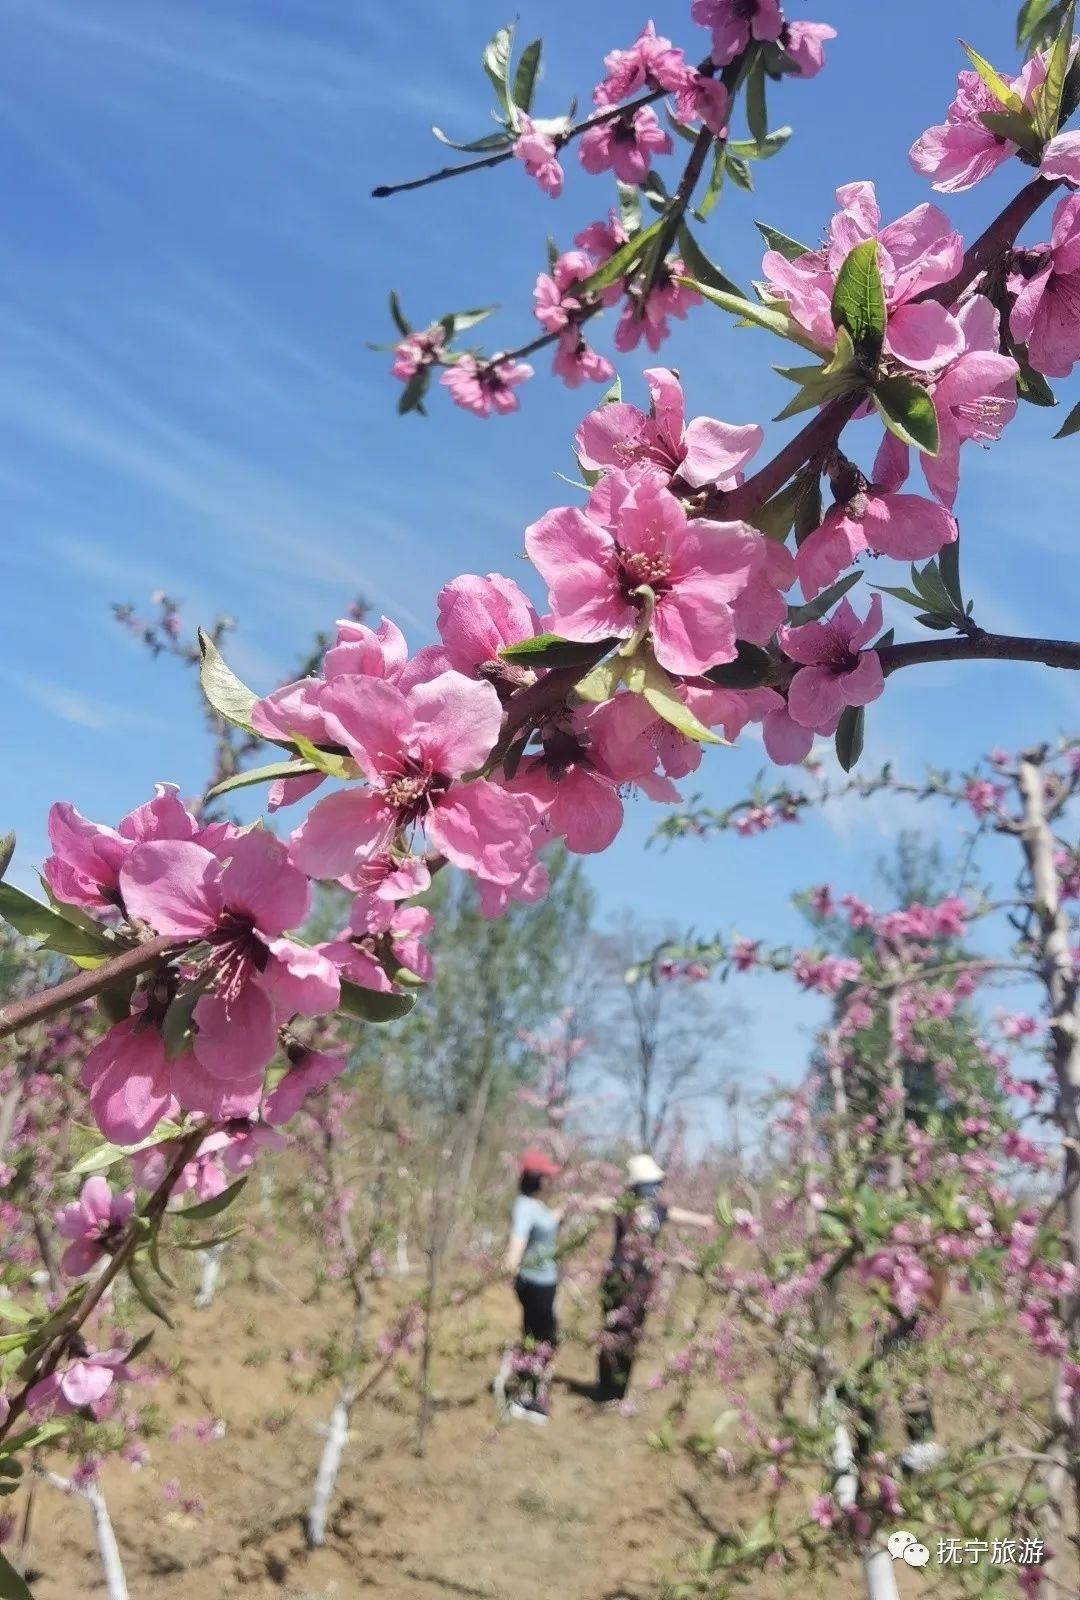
(583, 1510)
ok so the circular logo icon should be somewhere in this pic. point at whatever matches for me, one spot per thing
(899, 1541)
(916, 1555)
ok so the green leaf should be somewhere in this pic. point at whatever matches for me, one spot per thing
(752, 667)
(400, 323)
(490, 141)
(858, 302)
(271, 773)
(105, 1155)
(461, 321)
(716, 182)
(551, 650)
(177, 1027)
(776, 516)
(819, 385)
(7, 850)
(619, 264)
(1033, 15)
(11, 1311)
(787, 247)
(813, 609)
(600, 684)
(1030, 385)
(949, 568)
(1007, 125)
(154, 1256)
(757, 115)
(370, 1006)
(849, 736)
(231, 699)
(525, 77)
(36, 1435)
(808, 510)
(908, 411)
(1071, 424)
(1047, 98)
(763, 149)
(412, 396)
(659, 693)
(738, 170)
(769, 317)
(629, 207)
(328, 761)
(993, 80)
(654, 191)
(697, 262)
(496, 60)
(12, 1586)
(147, 1295)
(213, 1208)
(208, 1244)
(906, 595)
(52, 929)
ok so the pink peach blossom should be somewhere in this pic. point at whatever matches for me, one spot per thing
(904, 526)
(1046, 285)
(702, 452)
(634, 542)
(651, 61)
(485, 386)
(959, 152)
(94, 1223)
(626, 144)
(735, 22)
(84, 868)
(312, 1072)
(835, 670)
(805, 43)
(539, 155)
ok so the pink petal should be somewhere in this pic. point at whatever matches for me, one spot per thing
(483, 829)
(924, 336)
(300, 980)
(259, 880)
(576, 558)
(171, 884)
(906, 526)
(84, 1382)
(339, 831)
(715, 451)
(127, 1075)
(786, 742)
(815, 696)
(287, 791)
(864, 682)
(236, 1035)
(1061, 158)
(458, 722)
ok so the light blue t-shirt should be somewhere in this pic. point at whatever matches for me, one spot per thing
(532, 1221)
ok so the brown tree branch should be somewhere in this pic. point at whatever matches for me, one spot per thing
(85, 985)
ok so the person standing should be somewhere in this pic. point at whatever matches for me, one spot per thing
(630, 1278)
(530, 1263)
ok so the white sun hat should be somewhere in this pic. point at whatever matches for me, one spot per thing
(643, 1169)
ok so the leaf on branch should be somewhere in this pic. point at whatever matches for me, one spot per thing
(528, 70)
(993, 80)
(849, 736)
(738, 170)
(749, 311)
(659, 692)
(551, 650)
(496, 62)
(7, 850)
(714, 185)
(1071, 424)
(231, 699)
(490, 141)
(1047, 97)
(762, 149)
(858, 302)
(697, 262)
(813, 609)
(908, 411)
(370, 1006)
(787, 247)
(629, 207)
(12, 1586)
(456, 322)
(105, 1155)
(411, 397)
(271, 773)
(206, 1209)
(757, 115)
(1007, 125)
(400, 321)
(752, 667)
(147, 1295)
(53, 930)
(618, 265)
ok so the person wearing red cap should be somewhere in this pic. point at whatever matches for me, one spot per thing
(530, 1262)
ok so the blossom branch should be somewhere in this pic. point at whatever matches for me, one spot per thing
(981, 646)
(47, 1003)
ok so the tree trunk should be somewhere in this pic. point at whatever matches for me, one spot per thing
(208, 1281)
(1059, 978)
(111, 1565)
(877, 1563)
(337, 1434)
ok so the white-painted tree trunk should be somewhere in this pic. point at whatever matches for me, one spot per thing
(402, 1265)
(211, 1270)
(111, 1565)
(877, 1562)
(337, 1434)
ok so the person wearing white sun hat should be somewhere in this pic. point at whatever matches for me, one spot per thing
(630, 1276)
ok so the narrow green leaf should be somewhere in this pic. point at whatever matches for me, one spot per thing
(993, 80)
(1007, 125)
(785, 246)
(52, 929)
(525, 77)
(231, 699)
(1033, 15)
(370, 1006)
(776, 516)
(328, 761)
(654, 191)
(177, 1026)
(147, 1295)
(208, 1244)
(738, 170)
(697, 262)
(908, 411)
(629, 207)
(849, 736)
(412, 396)
(600, 684)
(619, 264)
(7, 850)
(659, 693)
(551, 650)
(18, 1442)
(105, 1155)
(808, 508)
(490, 141)
(400, 322)
(761, 150)
(271, 773)
(813, 609)
(906, 595)
(770, 317)
(708, 201)
(205, 1209)
(496, 61)
(1047, 97)
(858, 302)
(949, 568)
(757, 115)
(461, 321)
(1071, 424)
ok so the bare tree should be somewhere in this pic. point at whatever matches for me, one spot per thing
(661, 1032)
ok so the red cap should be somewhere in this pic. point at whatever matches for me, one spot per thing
(535, 1161)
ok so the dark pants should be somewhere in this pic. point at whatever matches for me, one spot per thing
(537, 1311)
(625, 1304)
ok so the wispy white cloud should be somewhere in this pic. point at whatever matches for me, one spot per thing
(74, 706)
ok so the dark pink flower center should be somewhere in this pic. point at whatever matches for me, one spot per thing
(651, 567)
(236, 953)
(412, 794)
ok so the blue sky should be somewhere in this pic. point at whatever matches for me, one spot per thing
(190, 266)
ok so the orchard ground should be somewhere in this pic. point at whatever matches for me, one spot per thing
(586, 1509)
